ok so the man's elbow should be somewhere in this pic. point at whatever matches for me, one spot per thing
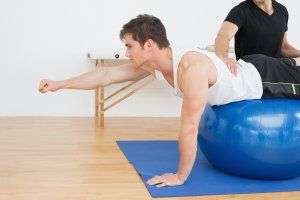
(284, 50)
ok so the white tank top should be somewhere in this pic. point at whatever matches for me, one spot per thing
(228, 87)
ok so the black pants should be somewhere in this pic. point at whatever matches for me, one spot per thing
(280, 76)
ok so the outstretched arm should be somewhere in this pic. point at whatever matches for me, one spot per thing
(93, 79)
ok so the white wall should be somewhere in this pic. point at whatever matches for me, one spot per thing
(50, 39)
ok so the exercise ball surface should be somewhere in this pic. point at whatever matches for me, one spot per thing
(255, 138)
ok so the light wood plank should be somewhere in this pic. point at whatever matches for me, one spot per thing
(70, 158)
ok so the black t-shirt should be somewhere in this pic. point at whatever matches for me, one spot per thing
(258, 32)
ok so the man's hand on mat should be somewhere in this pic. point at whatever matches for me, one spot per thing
(49, 85)
(168, 179)
(231, 64)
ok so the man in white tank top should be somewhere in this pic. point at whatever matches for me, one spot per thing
(198, 77)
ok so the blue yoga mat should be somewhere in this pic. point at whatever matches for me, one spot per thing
(151, 158)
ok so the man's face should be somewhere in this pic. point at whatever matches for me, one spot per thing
(138, 55)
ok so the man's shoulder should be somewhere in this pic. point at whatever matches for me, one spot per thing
(279, 5)
(191, 56)
(244, 5)
(186, 58)
(184, 52)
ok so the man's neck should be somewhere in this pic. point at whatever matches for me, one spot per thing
(163, 60)
(265, 6)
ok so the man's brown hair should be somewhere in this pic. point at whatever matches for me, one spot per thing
(145, 27)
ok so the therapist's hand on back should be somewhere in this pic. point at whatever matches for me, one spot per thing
(231, 64)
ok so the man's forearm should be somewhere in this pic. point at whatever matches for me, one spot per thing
(222, 46)
(188, 150)
(103, 77)
(191, 114)
(87, 81)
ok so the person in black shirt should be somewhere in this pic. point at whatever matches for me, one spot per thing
(259, 27)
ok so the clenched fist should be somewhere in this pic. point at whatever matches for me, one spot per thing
(49, 85)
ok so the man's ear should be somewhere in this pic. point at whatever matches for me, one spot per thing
(149, 44)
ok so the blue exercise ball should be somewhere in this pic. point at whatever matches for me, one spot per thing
(255, 138)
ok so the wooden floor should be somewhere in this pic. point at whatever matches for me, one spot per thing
(52, 158)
